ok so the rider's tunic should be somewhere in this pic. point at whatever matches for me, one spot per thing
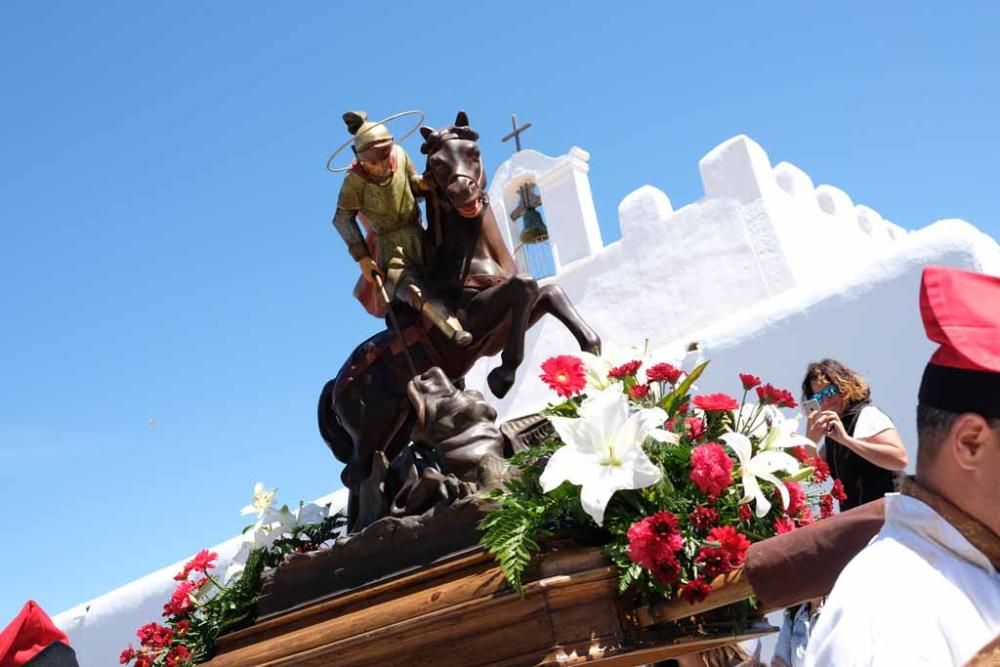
(393, 215)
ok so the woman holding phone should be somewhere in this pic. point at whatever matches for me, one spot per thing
(858, 441)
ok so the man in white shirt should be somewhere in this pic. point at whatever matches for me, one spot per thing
(926, 590)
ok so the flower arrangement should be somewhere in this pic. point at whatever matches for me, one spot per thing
(674, 486)
(205, 604)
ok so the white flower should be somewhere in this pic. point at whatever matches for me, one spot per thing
(784, 434)
(603, 450)
(612, 356)
(238, 563)
(764, 465)
(262, 502)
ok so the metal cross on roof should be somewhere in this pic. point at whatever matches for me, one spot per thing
(516, 134)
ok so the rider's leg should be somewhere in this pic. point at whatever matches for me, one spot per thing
(434, 310)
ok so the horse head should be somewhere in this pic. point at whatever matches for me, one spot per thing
(455, 166)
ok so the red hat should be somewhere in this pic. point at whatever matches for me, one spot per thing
(961, 311)
(32, 638)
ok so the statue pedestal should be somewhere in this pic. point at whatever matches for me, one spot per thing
(459, 612)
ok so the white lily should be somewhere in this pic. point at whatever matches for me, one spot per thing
(783, 433)
(764, 465)
(603, 450)
(262, 502)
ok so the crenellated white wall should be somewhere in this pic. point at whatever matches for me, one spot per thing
(760, 236)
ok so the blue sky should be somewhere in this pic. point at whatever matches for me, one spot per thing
(166, 249)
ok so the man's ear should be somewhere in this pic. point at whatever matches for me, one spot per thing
(970, 435)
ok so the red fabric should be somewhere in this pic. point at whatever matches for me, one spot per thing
(961, 312)
(27, 635)
(365, 292)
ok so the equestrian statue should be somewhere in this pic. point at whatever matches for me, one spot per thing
(451, 292)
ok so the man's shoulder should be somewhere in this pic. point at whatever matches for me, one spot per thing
(899, 574)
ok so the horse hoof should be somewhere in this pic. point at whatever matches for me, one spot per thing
(500, 380)
(462, 338)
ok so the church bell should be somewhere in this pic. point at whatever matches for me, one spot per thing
(534, 230)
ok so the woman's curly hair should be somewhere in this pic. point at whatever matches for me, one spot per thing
(852, 386)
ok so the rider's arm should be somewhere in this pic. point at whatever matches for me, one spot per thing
(345, 219)
(417, 183)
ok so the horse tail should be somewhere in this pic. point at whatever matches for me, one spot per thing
(330, 429)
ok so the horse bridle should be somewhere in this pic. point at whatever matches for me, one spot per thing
(483, 199)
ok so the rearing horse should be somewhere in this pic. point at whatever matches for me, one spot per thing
(365, 408)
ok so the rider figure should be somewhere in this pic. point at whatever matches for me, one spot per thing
(382, 185)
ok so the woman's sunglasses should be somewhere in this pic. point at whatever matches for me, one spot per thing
(826, 392)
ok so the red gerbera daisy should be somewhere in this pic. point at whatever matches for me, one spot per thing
(564, 374)
(716, 402)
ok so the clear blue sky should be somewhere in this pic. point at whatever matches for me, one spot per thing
(166, 251)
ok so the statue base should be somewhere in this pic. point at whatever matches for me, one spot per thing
(419, 591)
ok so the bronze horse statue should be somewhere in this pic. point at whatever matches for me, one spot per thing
(365, 408)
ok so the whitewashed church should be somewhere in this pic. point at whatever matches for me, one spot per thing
(733, 276)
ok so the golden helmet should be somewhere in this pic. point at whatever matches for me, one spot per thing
(365, 131)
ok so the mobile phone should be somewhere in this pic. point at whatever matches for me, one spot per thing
(810, 406)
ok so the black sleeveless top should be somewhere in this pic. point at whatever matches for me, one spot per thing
(863, 480)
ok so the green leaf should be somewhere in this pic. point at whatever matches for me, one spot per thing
(672, 400)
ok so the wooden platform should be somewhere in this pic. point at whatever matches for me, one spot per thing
(459, 612)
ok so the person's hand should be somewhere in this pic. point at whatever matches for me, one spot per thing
(420, 184)
(814, 431)
(828, 422)
(368, 268)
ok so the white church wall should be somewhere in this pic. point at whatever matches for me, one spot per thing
(867, 317)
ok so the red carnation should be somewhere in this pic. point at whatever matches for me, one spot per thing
(695, 427)
(625, 370)
(143, 660)
(654, 540)
(178, 656)
(783, 525)
(745, 513)
(783, 398)
(683, 408)
(667, 570)
(694, 591)
(796, 498)
(564, 374)
(154, 635)
(730, 554)
(716, 403)
(180, 601)
(664, 373)
(821, 471)
(826, 506)
(639, 392)
(126, 655)
(202, 562)
(838, 490)
(711, 469)
(749, 381)
(800, 453)
(703, 518)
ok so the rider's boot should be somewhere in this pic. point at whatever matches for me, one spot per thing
(449, 325)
